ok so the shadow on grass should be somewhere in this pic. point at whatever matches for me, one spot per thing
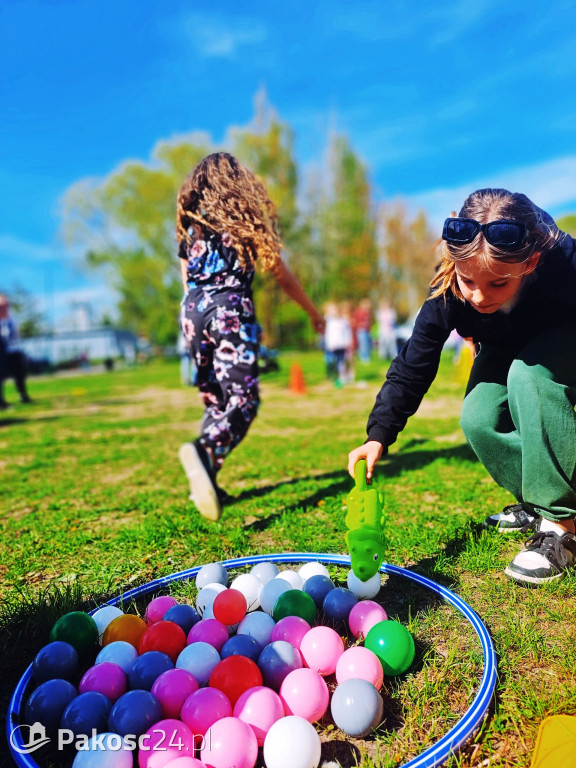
(392, 466)
(11, 422)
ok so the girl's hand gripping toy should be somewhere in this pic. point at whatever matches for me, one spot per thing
(365, 520)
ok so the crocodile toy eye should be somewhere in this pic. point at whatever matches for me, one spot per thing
(375, 557)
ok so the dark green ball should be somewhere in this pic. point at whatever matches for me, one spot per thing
(294, 602)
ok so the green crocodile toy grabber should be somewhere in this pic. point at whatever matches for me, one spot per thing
(365, 521)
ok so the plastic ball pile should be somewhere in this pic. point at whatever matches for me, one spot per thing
(207, 686)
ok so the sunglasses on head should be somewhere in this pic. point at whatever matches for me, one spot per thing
(506, 234)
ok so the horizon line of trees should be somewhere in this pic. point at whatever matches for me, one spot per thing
(340, 242)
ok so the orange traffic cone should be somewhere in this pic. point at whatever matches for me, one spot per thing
(297, 383)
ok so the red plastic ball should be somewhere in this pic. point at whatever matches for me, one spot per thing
(165, 636)
(230, 607)
(234, 675)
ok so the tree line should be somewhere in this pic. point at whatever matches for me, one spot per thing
(341, 243)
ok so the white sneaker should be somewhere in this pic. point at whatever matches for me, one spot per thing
(545, 558)
(513, 519)
(203, 490)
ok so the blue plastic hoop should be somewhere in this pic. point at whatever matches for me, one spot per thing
(435, 755)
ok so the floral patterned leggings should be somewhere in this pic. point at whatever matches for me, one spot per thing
(223, 337)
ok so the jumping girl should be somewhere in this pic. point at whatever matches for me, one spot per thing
(226, 224)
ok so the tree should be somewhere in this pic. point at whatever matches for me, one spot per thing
(31, 321)
(407, 258)
(342, 228)
(266, 146)
(568, 224)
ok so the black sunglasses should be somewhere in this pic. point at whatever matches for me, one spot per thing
(505, 234)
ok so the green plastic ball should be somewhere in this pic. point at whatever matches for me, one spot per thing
(77, 628)
(294, 602)
(393, 645)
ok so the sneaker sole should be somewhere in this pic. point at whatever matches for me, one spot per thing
(507, 529)
(535, 581)
(202, 491)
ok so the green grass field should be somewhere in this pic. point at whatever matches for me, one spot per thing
(94, 502)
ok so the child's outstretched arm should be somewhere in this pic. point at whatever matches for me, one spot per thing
(371, 451)
(294, 290)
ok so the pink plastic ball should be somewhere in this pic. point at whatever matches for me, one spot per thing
(158, 607)
(163, 742)
(304, 693)
(292, 629)
(185, 762)
(172, 689)
(209, 631)
(321, 648)
(360, 662)
(107, 678)
(203, 708)
(231, 743)
(260, 707)
(364, 615)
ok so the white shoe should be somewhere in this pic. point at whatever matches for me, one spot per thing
(202, 487)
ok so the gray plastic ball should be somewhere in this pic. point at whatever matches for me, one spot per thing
(212, 573)
(356, 707)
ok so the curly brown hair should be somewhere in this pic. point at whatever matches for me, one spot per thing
(223, 196)
(486, 205)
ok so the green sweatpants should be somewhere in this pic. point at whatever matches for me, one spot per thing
(518, 416)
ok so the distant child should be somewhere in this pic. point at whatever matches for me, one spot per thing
(337, 342)
(386, 320)
(12, 358)
(226, 224)
(507, 279)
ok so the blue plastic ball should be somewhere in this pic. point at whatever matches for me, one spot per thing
(48, 702)
(87, 712)
(58, 659)
(199, 659)
(276, 661)
(338, 603)
(183, 615)
(318, 587)
(258, 625)
(147, 668)
(134, 713)
(241, 645)
(119, 652)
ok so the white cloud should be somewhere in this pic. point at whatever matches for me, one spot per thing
(216, 37)
(16, 249)
(550, 185)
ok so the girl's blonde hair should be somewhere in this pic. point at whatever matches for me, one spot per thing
(486, 205)
(223, 196)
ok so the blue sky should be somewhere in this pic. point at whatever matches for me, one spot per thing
(438, 98)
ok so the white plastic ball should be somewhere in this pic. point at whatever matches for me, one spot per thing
(292, 742)
(105, 616)
(207, 595)
(364, 590)
(313, 569)
(250, 586)
(265, 571)
(292, 577)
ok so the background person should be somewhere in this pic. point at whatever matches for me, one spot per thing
(507, 279)
(12, 358)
